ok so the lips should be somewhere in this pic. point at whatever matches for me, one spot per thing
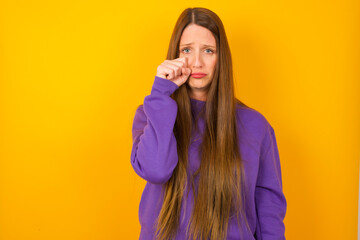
(198, 75)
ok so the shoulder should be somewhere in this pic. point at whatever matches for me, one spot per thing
(251, 122)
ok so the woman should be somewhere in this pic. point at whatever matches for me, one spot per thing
(211, 163)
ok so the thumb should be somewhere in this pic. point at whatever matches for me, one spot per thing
(185, 72)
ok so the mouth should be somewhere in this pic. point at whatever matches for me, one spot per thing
(198, 75)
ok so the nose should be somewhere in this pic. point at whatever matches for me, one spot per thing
(196, 60)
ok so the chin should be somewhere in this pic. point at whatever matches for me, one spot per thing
(197, 84)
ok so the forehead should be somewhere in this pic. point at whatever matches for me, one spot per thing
(195, 34)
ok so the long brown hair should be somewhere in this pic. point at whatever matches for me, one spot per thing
(221, 187)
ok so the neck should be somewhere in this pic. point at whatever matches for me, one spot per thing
(198, 95)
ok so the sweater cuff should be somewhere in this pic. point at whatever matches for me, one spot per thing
(163, 86)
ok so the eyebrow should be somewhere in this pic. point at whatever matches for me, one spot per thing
(205, 45)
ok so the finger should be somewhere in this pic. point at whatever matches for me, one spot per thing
(185, 74)
(176, 62)
(186, 71)
(168, 72)
(184, 60)
(176, 66)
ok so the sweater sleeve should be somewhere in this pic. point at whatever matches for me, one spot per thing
(270, 200)
(154, 150)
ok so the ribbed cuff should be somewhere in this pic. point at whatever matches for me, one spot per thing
(163, 86)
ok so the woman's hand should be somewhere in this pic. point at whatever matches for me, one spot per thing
(175, 70)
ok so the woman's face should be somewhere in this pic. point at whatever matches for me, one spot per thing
(198, 45)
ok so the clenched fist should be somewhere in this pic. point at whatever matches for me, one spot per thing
(175, 70)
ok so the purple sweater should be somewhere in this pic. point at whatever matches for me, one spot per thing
(154, 157)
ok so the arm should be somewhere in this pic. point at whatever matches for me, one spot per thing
(269, 197)
(154, 150)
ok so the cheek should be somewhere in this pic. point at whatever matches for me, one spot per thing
(212, 65)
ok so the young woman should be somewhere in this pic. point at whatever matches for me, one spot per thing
(211, 163)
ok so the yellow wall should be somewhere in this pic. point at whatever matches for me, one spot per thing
(73, 72)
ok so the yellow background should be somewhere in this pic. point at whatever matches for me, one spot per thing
(73, 72)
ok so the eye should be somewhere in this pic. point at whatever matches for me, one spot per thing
(211, 51)
(184, 49)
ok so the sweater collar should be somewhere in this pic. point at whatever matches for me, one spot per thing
(197, 105)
